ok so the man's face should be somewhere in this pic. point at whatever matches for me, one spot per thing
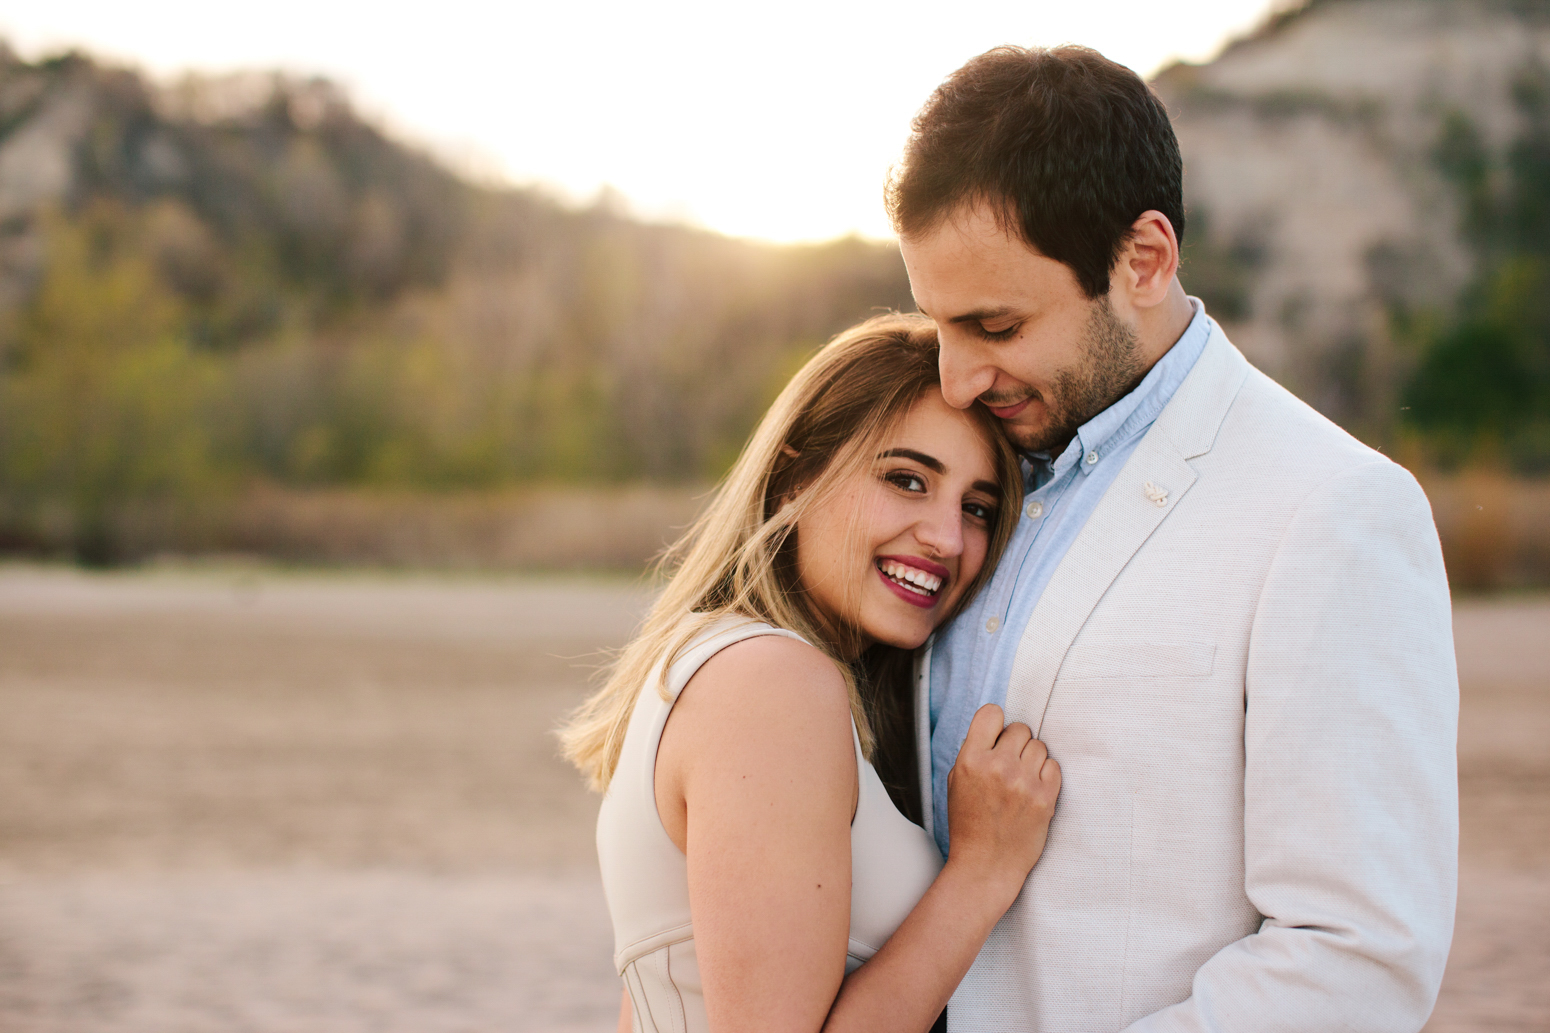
(1017, 332)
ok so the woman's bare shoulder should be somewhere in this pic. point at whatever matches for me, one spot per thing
(770, 688)
(789, 669)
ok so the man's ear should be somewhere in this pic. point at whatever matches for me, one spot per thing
(1150, 261)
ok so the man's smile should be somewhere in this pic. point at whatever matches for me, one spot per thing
(1010, 412)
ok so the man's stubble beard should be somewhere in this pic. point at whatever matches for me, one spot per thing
(1111, 367)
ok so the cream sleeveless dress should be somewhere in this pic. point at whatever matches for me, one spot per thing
(645, 877)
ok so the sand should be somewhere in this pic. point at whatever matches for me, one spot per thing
(261, 802)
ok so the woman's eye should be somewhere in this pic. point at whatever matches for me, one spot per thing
(979, 510)
(907, 481)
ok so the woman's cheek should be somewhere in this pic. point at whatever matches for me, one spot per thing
(976, 545)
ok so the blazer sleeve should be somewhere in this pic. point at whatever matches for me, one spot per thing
(1351, 776)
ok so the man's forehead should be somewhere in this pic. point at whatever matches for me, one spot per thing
(961, 296)
(972, 270)
(964, 285)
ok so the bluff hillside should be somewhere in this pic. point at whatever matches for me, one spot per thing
(1368, 184)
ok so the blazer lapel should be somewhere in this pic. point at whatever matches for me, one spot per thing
(1124, 519)
(1148, 489)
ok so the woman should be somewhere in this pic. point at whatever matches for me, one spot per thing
(750, 853)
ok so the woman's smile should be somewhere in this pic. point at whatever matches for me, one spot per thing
(917, 581)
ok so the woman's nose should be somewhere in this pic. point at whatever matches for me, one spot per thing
(941, 530)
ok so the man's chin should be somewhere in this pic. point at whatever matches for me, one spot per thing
(1037, 437)
(1027, 423)
(1024, 439)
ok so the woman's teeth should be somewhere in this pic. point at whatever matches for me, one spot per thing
(917, 581)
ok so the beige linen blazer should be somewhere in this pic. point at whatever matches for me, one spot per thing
(1245, 668)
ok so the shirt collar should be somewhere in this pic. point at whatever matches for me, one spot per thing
(1132, 414)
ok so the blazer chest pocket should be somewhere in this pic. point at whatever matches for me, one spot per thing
(1137, 658)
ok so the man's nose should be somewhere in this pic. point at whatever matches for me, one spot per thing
(964, 378)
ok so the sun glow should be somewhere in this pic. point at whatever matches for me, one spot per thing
(777, 122)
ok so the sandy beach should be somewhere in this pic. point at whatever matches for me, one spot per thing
(249, 801)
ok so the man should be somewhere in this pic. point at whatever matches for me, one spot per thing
(1227, 619)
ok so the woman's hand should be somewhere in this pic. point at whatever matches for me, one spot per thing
(1000, 798)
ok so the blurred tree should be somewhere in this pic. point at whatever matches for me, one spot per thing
(105, 408)
(1219, 272)
(1484, 381)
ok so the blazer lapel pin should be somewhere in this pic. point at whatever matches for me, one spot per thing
(1159, 496)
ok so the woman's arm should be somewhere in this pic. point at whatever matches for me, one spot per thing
(626, 1016)
(756, 781)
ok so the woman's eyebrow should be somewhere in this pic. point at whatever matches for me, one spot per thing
(988, 488)
(929, 462)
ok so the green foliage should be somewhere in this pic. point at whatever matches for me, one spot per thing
(1484, 381)
(275, 291)
(104, 405)
(1460, 155)
(1220, 272)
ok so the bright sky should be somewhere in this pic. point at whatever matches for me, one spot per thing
(772, 120)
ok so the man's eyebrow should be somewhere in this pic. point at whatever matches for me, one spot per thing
(983, 315)
(929, 462)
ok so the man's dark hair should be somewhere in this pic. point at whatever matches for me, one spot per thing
(1068, 146)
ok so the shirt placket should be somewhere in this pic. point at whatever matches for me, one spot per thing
(1037, 507)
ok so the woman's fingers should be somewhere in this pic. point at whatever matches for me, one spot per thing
(980, 742)
(987, 735)
(1008, 755)
(983, 730)
(1014, 737)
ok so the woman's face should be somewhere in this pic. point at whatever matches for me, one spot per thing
(922, 518)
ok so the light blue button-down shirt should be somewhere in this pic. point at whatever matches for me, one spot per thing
(971, 663)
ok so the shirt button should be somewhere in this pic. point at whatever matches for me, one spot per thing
(1035, 509)
(992, 624)
(1092, 458)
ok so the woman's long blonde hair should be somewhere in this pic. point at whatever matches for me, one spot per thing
(739, 556)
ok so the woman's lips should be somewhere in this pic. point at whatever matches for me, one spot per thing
(1010, 411)
(926, 579)
(925, 602)
(919, 563)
